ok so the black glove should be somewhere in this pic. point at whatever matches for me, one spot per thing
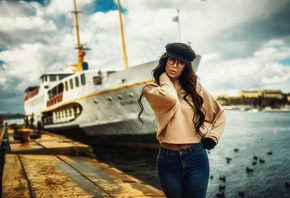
(208, 143)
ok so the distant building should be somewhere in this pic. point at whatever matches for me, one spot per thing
(270, 93)
(250, 94)
(225, 96)
(223, 99)
(273, 94)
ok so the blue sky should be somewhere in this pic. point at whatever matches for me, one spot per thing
(285, 62)
(42, 2)
(95, 6)
(244, 45)
(106, 6)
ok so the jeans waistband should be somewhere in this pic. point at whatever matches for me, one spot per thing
(181, 151)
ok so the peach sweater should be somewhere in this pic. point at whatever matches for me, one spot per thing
(174, 115)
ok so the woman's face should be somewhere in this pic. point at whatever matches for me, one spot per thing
(174, 68)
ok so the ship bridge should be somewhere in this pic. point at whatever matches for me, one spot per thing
(53, 77)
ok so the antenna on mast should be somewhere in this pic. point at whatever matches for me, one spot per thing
(176, 19)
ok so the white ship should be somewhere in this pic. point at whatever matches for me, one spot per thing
(103, 105)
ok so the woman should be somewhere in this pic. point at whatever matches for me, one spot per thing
(189, 121)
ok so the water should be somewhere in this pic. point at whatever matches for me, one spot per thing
(18, 121)
(263, 135)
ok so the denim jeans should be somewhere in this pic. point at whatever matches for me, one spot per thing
(183, 173)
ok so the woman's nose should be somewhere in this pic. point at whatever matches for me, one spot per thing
(175, 63)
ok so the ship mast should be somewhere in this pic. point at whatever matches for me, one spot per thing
(123, 40)
(81, 52)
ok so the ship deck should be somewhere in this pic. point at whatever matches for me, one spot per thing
(54, 166)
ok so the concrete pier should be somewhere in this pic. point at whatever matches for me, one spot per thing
(54, 166)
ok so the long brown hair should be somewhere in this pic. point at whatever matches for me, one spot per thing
(188, 80)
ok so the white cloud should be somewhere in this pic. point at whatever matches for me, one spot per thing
(26, 23)
(3, 80)
(258, 71)
(275, 74)
(24, 70)
(56, 7)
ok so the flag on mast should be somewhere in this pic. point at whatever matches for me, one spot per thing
(176, 19)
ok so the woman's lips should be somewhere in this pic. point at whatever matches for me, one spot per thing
(172, 72)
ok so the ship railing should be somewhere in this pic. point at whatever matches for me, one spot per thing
(54, 100)
(31, 94)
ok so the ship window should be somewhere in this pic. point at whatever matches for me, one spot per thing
(44, 79)
(69, 112)
(54, 91)
(65, 113)
(62, 76)
(71, 83)
(75, 110)
(60, 88)
(97, 80)
(50, 93)
(77, 81)
(52, 78)
(83, 79)
(131, 95)
(66, 85)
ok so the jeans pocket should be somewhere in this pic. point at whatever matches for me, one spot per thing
(199, 151)
(161, 155)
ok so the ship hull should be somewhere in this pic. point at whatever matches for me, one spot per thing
(125, 133)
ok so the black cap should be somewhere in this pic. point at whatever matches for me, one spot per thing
(180, 51)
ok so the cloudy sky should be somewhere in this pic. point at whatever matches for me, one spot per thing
(244, 44)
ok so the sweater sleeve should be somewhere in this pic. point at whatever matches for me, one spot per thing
(163, 100)
(215, 118)
(164, 95)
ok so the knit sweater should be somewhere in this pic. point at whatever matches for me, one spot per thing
(174, 115)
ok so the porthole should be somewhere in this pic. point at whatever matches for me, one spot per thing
(131, 95)
(120, 97)
(110, 99)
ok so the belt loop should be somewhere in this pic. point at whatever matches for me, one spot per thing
(166, 152)
(190, 150)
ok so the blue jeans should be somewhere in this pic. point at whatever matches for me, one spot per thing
(183, 173)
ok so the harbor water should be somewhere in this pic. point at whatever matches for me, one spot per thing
(252, 158)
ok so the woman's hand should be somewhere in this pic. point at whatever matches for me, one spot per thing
(208, 143)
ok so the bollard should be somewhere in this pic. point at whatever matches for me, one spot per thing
(16, 134)
(24, 134)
